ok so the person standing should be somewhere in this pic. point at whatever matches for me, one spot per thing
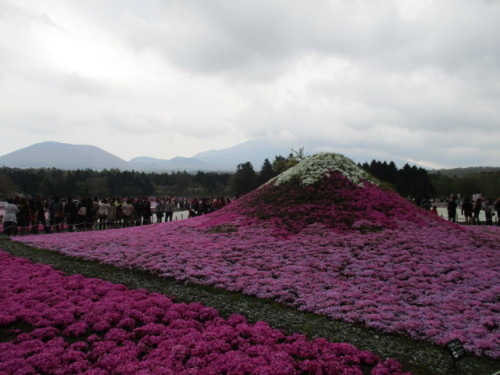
(56, 214)
(95, 213)
(39, 208)
(452, 208)
(102, 213)
(112, 213)
(138, 211)
(146, 211)
(488, 211)
(23, 217)
(127, 212)
(160, 209)
(71, 212)
(467, 209)
(117, 205)
(81, 214)
(496, 206)
(478, 205)
(10, 218)
(169, 209)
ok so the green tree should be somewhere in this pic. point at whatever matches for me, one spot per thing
(281, 163)
(182, 182)
(244, 180)
(266, 172)
(98, 186)
(7, 187)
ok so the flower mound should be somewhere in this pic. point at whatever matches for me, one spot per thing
(331, 190)
(317, 166)
(335, 244)
(75, 325)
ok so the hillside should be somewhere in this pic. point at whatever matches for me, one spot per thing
(324, 237)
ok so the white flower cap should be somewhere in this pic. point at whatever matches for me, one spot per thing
(317, 166)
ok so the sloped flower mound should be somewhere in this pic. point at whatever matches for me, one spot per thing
(56, 324)
(326, 239)
(332, 190)
(317, 166)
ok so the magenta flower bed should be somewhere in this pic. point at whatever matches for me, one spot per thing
(76, 325)
(334, 201)
(349, 251)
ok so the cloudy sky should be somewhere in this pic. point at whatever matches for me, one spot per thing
(411, 80)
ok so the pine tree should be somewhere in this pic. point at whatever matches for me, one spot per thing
(266, 172)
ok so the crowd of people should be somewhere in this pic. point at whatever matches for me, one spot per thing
(471, 209)
(24, 215)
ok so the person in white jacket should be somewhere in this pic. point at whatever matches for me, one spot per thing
(10, 218)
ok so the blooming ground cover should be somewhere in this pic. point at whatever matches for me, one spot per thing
(71, 324)
(329, 241)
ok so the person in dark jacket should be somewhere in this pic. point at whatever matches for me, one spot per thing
(71, 212)
(56, 214)
(467, 209)
(138, 209)
(147, 213)
(478, 205)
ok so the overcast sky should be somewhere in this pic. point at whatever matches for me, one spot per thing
(413, 80)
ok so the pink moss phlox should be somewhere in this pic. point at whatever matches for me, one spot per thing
(359, 254)
(166, 337)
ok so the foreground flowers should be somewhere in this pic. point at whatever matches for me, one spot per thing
(330, 244)
(70, 324)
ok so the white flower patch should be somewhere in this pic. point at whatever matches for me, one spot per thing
(317, 166)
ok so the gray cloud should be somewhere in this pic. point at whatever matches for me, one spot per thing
(220, 36)
(406, 80)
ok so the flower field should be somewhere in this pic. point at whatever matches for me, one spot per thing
(71, 324)
(328, 239)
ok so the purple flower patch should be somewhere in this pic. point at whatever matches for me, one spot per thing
(146, 333)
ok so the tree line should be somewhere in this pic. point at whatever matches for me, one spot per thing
(481, 181)
(113, 182)
(412, 181)
(51, 181)
(408, 181)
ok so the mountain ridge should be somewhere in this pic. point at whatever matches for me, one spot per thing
(66, 156)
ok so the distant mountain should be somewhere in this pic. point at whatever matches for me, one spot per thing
(71, 157)
(254, 151)
(460, 172)
(62, 156)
